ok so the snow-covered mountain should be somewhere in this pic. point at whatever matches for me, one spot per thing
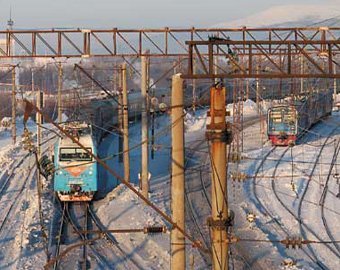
(290, 15)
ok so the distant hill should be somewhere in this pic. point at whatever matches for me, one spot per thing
(290, 16)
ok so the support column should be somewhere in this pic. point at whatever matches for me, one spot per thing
(125, 126)
(60, 86)
(38, 117)
(334, 83)
(14, 108)
(145, 135)
(257, 80)
(218, 135)
(302, 69)
(120, 117)
(177, 174)
(194, 98)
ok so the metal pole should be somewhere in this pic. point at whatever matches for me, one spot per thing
(257, 88)
(60, 78)
(92, 82)
(302, 69)
(177, 174)
(215, 66)
(334, 83)
(145, 135)
(14, 107)
(125, 125)
(247, 87)
(60, 86)
(39, 122)
(194, 87)
(218, 136)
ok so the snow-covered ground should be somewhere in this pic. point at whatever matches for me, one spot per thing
(21, 245)
(22, 242)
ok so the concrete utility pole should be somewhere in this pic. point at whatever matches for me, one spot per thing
(60, 87)
(177, 174)
(120, 116)
(145, 135)
(217, 134)
(14, 108)
(125, 126)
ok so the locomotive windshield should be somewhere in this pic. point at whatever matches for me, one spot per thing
(282, 119)
(74, 154)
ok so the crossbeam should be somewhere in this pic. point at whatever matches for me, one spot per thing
(263, 58)
(169, 42)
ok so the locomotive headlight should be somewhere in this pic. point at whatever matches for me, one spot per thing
(90, 172)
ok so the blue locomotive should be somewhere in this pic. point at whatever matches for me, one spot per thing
(286, 123)
(75, 176)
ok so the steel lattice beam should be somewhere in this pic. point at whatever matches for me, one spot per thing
(134, 42)
(237, 49)
(320, 56)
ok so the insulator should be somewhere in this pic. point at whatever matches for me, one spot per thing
(27, 140)
(293, 186)
(294, 242)
(238, 176)
(154, 101)
(251, 217)
(161, 229)
(163, 107)
(46, 166)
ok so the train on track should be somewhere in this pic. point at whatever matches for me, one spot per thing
(286, 123)
(75, 176)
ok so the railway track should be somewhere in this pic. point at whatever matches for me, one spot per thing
(59, 236)
(16, 166)
(313, 254)
(324, 195)
(15, 199)
(190, 192)
(266, 211)
(192, 212)
(302, 224)
(131, 263)
(81, 220)
(76, 221)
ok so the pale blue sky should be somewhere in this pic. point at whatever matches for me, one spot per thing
(134, 13)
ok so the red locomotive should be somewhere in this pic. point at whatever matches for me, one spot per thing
(286, 123)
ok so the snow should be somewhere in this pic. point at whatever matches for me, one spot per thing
(249, 108)
(21, 236)
(120, 208)
(284, 14)
(307, 152)
(131, 213)
(195, 123)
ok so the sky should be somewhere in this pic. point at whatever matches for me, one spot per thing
(37, 14)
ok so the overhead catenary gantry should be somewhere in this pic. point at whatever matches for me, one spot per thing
(321, 58)
(281, 48)
(137, 42)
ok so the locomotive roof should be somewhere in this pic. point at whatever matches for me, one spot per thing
(85, 140)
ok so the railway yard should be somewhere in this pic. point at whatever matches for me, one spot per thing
(171, 148)
(280, 209)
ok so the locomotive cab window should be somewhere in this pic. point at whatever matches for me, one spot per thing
(74, 154)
